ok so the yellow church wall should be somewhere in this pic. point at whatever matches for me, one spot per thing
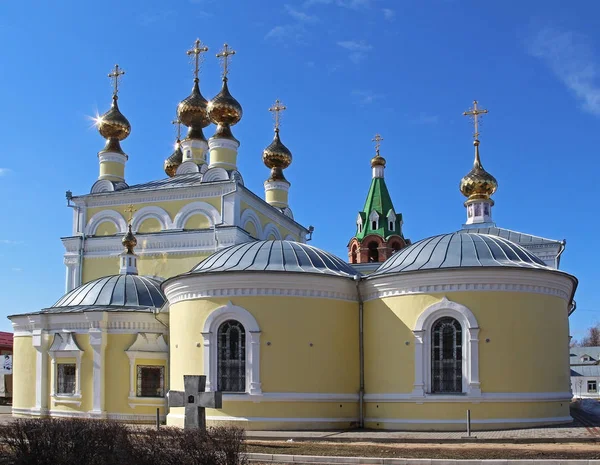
(223, 155)
(198, 221)
(265, 221)
(106, 228)
(278, 197)
(290, 325)
(533, 326)
(116, 374)
(154, 265)
(112, 170)
(251, 229)
(24, 369)
(149, 225)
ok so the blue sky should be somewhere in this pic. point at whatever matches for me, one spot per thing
(346, 69)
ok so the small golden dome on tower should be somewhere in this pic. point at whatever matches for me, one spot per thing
(277, 157)
(223, 109)
(112, 124)
(478, 183)
(191, 111)
(377, 160)
(173, 162)
(129, 241)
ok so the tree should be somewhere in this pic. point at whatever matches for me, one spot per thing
(591, 339)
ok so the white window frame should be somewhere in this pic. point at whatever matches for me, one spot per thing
(374, 218)
(391, 220)
(210, 333)
(470, 344)
(359, 223)
(147, 346)
(57, 379)
(588, 385)
(64, 345)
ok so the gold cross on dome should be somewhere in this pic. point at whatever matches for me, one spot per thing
(474, 113)
(131, 211)
(178, 123)
(115, 75)
(377, 139)
(224, 56)
(196, 51)
(277, 108)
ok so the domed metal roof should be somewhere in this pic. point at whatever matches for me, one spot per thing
(132, 292)
(287, 256)
(460, 250)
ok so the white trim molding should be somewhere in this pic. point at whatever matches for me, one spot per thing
(112, 157)
(106, 215)
(150, 346)
(250, 216)
(470, 344)
(252, 330)
(217, 143)
(504, 397)
(195, 208)
(461, 421)
(277, 185)
(156, 213)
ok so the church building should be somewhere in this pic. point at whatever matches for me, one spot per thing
(194, 274)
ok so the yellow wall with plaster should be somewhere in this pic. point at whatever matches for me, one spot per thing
(264, 221)
(277, 197)
(150, 225)
(24, 369)
(223, 157)
(112, 170)
(106, 228)
(198, 221)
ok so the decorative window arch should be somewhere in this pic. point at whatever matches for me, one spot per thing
(249, 216)
(106, 215)
(374, 219)
(151, 212)
(271, 229)
(210, 332)
(469, 333)
(194, 208)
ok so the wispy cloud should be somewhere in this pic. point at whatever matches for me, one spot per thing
(365, 97)
(570, 57)
(358, 49)
(4, 171)
(301, 16)
(425, 118)
(389, 14)
(10, 242)
(351, 4)
(18, 270)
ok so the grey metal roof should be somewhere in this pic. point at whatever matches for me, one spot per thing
(575, 354)
(181, 180)
(117, 292)
(513, 236)
(277, 255)
(586, 370)
(460, 250)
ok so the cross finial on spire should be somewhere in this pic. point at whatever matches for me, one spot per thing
(474, 113)
(115, 75)
(224, 56)
(277, 108)
(178, 127)
(196, 51)
(131, 210)
(377, 139)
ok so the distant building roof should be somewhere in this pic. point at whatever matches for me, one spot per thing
(577, 353)
(513, 236)
(6, 339)
(588, 371)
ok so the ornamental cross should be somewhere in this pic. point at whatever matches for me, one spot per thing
(224, 56)
(178, 127)
(115, 75)
(377, 139)
(195, 401)
(131, 211)
(277, 108)
(474, 113)
(196, 51)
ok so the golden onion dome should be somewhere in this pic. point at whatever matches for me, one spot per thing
(191, 111)
(112, 124)
(173, 162)
(129, 241)
(277, 157)
(478, 183)
(223, 109)
(377, 160)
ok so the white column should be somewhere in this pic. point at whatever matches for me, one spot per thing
(254, 385)
(210, 369)
(419, 383)
(40, 343)
(474, 384)
(98, 343)
(132, 391)
(72, 272)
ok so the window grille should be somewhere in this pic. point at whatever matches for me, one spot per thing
(150, 381)
(65, 382)
(231, 357)
(446, 356)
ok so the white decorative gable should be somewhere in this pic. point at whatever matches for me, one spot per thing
(149, 342)
(64, 343)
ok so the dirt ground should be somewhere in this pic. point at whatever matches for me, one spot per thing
(476, 451)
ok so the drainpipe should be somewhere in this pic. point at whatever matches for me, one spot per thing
(361, 352)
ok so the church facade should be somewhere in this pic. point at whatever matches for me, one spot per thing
(194, 274)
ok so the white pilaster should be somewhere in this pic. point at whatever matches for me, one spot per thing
(419, 383)
(131, 375)
(40, 343)
(254, 385)
(98, 343)
(209, 370)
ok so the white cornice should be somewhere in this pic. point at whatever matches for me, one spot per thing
(223, 143)
(469, 280)
(125, 196)
(483, 397)
(277, 185)
(247, 284)
(171, 242)
(112, 157)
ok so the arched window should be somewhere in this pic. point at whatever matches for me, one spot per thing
(353, 254)
(373, 252)
(231, 357)
(446, 356)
